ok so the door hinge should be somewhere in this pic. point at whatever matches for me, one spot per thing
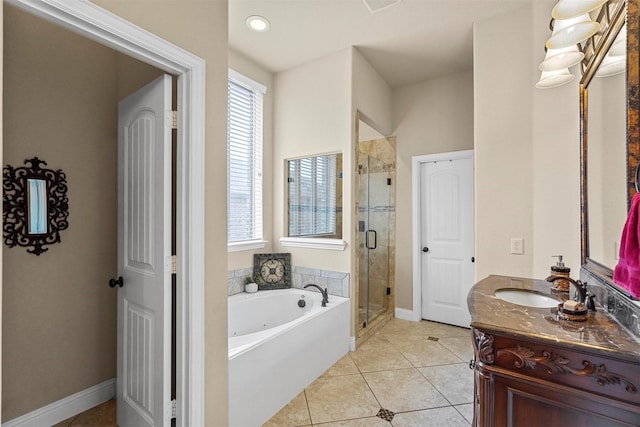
(388, 291)
(171, 264)
(171, 410)
(174, 120)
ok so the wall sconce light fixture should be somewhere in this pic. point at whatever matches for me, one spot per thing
(578, 29)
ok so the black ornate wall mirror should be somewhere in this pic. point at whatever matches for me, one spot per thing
(35, 205)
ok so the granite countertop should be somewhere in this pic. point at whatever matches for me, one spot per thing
(600, 333)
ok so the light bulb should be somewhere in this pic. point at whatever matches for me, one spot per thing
(567, 32)
(258, 23)
(550, 79)
(557, 59)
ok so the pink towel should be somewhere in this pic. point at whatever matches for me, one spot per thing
(627, 272)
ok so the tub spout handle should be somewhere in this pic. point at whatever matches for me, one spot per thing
(325, 294)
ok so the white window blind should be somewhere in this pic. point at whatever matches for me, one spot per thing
(312, 196)
(244, 159)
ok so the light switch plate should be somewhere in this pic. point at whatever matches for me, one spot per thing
(517, 246)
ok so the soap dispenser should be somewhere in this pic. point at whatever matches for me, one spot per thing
(560, 269)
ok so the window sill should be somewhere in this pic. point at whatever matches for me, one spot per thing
(246, 245)
(314, 243)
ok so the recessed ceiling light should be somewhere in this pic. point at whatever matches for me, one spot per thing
(258, 23)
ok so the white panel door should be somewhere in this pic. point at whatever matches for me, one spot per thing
(447, 235)
(144, 246)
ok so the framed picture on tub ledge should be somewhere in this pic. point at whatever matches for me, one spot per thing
(273, 269)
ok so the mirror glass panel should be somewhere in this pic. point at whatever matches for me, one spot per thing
(606, 157)
(315, 196)
(37, 206)
(609, 157)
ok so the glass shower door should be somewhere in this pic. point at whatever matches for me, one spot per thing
(374, 232)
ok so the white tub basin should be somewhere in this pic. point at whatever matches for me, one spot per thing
(526, 298)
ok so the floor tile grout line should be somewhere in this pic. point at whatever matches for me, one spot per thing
(306, 401)
(354, 363)
(411, 367)
(471, 343)
(435, 388)
(461, 361)
(397, 349)
(434, 407)
(371, 390)
(461, 414)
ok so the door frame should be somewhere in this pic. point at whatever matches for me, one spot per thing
(95, 23)
(416, 164)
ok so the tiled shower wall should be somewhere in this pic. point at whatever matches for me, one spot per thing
(337, 282)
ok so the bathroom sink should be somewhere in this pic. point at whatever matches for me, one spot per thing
(526, 298)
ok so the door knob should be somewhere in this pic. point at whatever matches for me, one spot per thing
(473, 259)
(114, 282)
(425, 249)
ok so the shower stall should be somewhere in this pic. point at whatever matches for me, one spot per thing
(376, 231)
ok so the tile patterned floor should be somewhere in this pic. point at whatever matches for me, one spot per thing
(413, 374)
(401, 374)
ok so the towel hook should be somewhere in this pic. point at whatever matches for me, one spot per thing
(636, 177)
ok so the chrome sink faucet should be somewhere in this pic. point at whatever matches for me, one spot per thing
(325, 294)
(584, 296)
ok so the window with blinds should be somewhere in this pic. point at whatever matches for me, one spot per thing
(312, 196)
(244, 159)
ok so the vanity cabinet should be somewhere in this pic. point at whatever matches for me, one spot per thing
(519, 382)
(534, 369)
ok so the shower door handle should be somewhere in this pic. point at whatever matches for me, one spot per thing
(375, 239)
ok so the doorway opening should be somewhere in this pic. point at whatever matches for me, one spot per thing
(126, 38)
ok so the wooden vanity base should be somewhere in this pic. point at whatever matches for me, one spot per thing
(522, 383)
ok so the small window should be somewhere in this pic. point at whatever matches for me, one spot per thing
(244, 159)
(314, 203)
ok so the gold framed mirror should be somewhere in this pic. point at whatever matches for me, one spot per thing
(609, 149)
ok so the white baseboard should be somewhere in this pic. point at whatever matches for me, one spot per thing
(352, 344)
(67, 407)
(404, 314)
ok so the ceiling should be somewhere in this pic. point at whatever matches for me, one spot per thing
(408, 42)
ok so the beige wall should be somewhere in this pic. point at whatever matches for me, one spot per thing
(527, 150)
(59, 315)
(371, 95)
(243, 65)
(132, 74)
(503, 143)
(556, 159)
(434, 116)
(201, 28)
(312, 115)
